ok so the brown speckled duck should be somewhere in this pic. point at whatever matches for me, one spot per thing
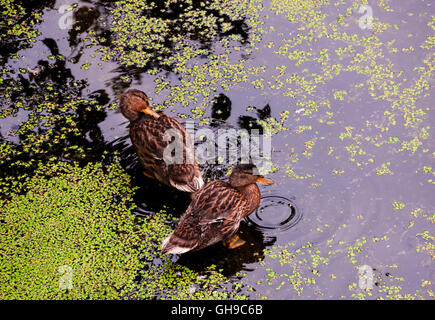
(147, 129)
(216, 211)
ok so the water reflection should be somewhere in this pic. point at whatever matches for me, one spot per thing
(11, 43)
(85, 19)
(56, 72)
(220, 109)
(53, 119)
(250, 123)
(124, 76)
(174, 14)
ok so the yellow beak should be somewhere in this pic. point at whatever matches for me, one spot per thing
(151, 112)
(264, 180)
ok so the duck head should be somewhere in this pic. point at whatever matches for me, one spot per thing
(245, 174)
(134, 103)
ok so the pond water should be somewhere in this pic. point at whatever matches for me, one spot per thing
(350, 108)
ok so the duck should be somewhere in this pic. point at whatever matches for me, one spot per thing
(147, 134)
(216, 211)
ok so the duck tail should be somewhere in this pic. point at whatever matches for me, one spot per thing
(198, 183)
(169, 246)
(192, 186)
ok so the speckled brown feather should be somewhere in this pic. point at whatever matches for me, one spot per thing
(147, 137)
(147, 129)
(214, 215)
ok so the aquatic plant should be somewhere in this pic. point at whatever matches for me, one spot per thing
(203, 42)
(73, 235)
(51, 120)
(70, 218)
(346, 109)
(16, 28)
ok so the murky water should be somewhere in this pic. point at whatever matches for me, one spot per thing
(344, 189)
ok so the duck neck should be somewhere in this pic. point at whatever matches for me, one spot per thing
(252, 194)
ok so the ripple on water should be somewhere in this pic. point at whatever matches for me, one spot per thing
(275, 214)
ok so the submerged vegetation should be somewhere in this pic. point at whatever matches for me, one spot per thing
(350, 111)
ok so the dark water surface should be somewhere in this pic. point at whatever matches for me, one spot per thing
(344, 196)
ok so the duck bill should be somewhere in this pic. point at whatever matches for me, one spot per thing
(264, 180)
(150, 112)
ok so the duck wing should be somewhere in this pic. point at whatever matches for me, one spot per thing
(214, 214)
(147, 135)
